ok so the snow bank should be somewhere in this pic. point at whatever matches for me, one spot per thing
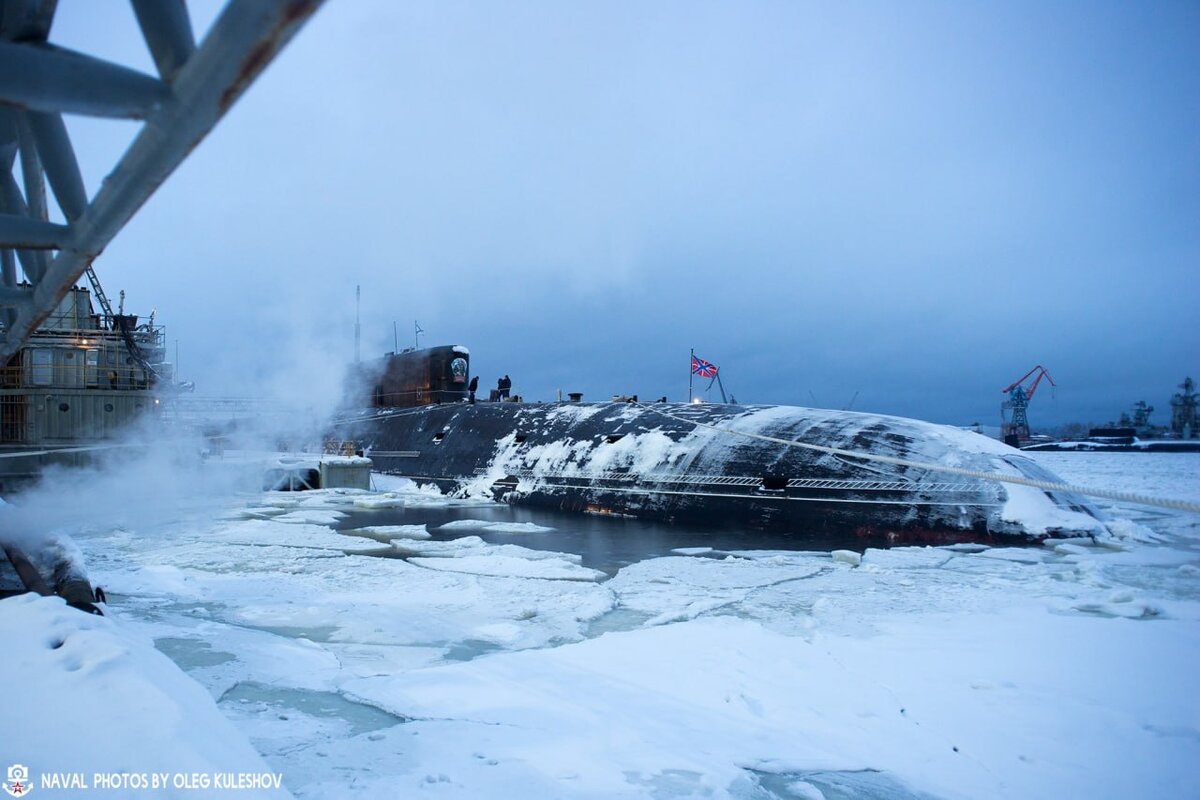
(86, 695)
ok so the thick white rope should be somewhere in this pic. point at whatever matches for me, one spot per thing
(1050, 486)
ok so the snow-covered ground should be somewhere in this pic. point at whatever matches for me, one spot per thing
(386, 663)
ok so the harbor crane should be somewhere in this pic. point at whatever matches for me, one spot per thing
(1017, 429)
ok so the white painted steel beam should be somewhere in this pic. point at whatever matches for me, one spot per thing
(197, 86)
(168, 33)
(41, 77)
(33, 234)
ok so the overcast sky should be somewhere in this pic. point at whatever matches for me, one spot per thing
(909, 204)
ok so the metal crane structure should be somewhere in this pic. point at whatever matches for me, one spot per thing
(1017, 430)
(40, 82)
(1183, 411)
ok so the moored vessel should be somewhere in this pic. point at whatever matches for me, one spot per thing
(80, 378)
(757, 467)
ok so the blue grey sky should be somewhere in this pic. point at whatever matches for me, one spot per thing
(907, 203)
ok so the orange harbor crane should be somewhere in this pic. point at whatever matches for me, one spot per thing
(1018, 400)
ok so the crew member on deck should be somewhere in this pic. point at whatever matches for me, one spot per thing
(472, 387)
(503, 387)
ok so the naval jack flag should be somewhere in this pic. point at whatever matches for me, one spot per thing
(704, 369)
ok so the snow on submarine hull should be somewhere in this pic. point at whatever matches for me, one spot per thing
(659, 462)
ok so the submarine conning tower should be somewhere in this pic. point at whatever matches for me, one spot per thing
(410, 378)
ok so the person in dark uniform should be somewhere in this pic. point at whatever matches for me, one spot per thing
(505, 386)
(472, 387)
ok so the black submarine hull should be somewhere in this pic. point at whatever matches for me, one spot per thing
(663, 462)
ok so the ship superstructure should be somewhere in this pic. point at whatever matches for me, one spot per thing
(80, 378)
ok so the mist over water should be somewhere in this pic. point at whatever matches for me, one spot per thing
(166, 466)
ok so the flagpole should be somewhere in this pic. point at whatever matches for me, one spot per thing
(691, 361)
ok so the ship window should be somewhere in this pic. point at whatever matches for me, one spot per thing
(69, 371)
(613, 438)
(63, 407)
(42, 363)
(108, 406)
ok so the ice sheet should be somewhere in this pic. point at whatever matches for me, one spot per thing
(457, 669)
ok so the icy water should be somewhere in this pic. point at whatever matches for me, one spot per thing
(573, 656)
(605, 543)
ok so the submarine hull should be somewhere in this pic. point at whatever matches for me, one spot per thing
(706, 466)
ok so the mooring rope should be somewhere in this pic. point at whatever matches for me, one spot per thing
(1050, 486)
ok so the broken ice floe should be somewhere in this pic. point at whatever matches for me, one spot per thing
(273, 533)
(315, 517)
(512, 567)
(387, 532)
(379, 501)
(675, 588)
(472, 555)
(847, 557)
(494, 527)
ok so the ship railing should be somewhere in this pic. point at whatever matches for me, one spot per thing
(418, 397)
(86, 374)
(61, 327)
(202, 405)
(746, 481)
(267, 415)
(342, 447)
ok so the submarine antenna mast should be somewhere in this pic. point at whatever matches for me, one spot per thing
(691, 372)
(720, 385)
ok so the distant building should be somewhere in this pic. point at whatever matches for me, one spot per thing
(1183, 411)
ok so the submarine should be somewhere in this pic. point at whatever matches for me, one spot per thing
(763, 468)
